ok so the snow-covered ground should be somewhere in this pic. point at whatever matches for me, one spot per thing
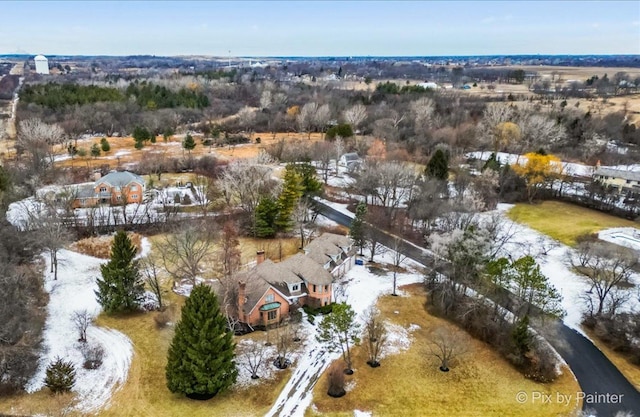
(555, 265)
(360, 288)
(152, 210)
(74, 291)
(570, 168)
(623, 236)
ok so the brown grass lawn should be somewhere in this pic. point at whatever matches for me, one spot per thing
(275, 249)
(620, 360)
(410, 384)
(145, 392)
(122, 151)
(564, 221)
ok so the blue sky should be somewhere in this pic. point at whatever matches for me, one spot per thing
(316, 28)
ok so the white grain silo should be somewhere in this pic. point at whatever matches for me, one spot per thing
(42, 65)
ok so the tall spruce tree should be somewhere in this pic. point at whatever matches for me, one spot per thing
(292, 190)
(265, 217)
(121, 288)
(356, 231)
(438, 165)
(308, 177)
(201, 356)
(188, 143)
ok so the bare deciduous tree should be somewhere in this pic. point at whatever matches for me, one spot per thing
(246, 182)
(321, 118)
(183, 252)
(38, 138)
(252, 356)
(355, 116)
(606, 268)
(398, 258)
(81, 321)
(151, 273)
(229, 252)
(306, 117)
(284, 346)
(447, 345)
(375, 336)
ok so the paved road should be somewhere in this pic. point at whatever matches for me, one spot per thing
(605, 390)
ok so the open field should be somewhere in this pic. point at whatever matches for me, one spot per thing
(123, 152)
(620, 360)
(564, 221)
(409, 383)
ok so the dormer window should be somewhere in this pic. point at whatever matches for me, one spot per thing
(295, 287)
(103, 189)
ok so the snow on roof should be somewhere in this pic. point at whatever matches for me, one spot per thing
(618, 173)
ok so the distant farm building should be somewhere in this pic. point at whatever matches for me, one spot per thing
(42, 65)
(429, 86)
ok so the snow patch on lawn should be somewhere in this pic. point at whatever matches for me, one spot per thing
(398, 339)
(74, 291)
(358, 413)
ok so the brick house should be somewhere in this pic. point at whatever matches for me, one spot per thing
(267, 292)
(117, 187)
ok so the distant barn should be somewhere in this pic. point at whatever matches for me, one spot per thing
(42, 65)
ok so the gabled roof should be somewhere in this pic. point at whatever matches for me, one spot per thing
(120, 179)
(351, 156)
(618, 173)
(85, 191)
(308, 270)
(322, 248)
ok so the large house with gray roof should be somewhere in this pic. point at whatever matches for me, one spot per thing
(117, 187)
(623, 180)
(263, 295)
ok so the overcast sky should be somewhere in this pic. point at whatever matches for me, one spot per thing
(320, 28)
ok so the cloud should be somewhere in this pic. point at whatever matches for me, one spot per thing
(636, 23)
(595, 25)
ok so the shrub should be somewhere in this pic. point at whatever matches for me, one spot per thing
(162, 319)
(336, 380)
(60, 376)
(93, 355)
(186, 200)
(311, 319)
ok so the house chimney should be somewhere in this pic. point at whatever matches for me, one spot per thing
(260, 257)
(598, 164)
(242, 297)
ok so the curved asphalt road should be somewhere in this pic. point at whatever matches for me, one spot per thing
(605, 390)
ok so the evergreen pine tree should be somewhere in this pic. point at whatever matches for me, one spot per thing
(265, 217)
(310, 184)
(292, 190)
(188, 143)
(121, 287)
(521, 336)
(104, 145)
(492, 163)
(60, 376)
(95, 150)
(201, 356)
(438, 166)
(356, 231)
